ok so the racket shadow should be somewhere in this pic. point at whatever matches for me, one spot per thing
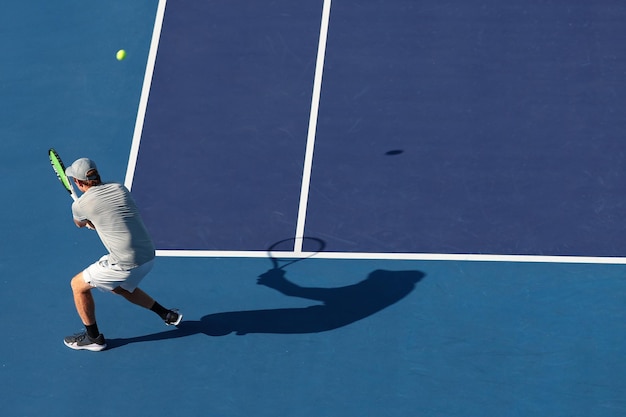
(338, 307)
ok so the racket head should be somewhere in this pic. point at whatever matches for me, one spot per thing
(59, 169)
(283, 252)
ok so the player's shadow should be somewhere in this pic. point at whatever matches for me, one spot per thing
(339, 307)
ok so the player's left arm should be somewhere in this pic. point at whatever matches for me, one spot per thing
(79, 217)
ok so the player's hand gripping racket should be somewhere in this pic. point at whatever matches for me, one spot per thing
(59, 169)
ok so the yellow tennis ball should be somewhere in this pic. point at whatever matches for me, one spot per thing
(120, 55)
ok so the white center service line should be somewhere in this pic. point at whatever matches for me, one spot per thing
(310, 143)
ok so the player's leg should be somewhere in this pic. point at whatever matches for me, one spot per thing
(91, 339)
(138, 296)
(142, 299)
(83, 300)
(129, 289)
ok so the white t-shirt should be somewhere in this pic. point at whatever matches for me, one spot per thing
(113, 212)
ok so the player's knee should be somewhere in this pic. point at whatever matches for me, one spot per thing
(78, 284)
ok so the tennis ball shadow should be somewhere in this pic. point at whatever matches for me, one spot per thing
(338, 307)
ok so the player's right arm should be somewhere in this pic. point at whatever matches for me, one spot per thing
(84, 223)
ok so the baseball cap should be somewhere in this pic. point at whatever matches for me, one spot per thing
(80, 168)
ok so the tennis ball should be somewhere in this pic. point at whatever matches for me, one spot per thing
(120, 55)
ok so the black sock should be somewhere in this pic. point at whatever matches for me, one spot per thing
(160, 310)
(92, 330)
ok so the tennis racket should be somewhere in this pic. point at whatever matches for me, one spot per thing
(59, 169)
(282, 252)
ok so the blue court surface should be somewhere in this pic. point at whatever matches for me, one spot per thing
(460, 162)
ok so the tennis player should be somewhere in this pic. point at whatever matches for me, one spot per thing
(110, 209)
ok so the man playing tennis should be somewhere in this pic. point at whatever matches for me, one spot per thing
(111, 211)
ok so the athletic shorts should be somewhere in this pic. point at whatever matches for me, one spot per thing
(104, 276)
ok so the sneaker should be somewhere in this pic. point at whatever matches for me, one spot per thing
(173, 318)
(82, 341)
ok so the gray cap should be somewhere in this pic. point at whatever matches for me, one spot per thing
(80, 168)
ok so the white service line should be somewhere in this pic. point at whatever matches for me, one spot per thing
(398, 256)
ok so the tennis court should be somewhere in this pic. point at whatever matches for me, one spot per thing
(461, 163)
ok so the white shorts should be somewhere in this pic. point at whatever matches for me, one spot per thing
(104, 276)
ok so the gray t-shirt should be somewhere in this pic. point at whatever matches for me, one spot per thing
(113, 212)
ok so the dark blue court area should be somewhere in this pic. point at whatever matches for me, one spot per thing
(506, 121)
(442, 130)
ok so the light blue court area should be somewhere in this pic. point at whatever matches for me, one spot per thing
(360, 338)
(445, 172)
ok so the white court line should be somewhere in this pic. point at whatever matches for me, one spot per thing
(310, 143)
(396, 256)
(145, 93)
